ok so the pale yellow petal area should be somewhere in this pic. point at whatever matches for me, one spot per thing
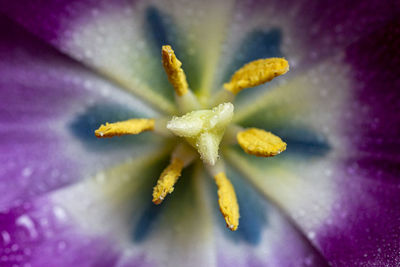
(204, 26)
(256, 73)
(260, 143)
(184, 223)
(299, 187)
(227, 201)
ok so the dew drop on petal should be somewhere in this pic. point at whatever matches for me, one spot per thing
(6, 237)
(26, 172)
(26, 222)
(59, 213)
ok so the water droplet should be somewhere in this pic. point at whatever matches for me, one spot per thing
(26, 222)
(26, 172)
(6, 237)
(62, 245)
(311, 235)
(14, 247)
(59, 213)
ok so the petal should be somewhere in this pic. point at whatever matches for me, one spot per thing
(181, 230)
(201, 28)
(51, 106)
(118, 204)
(106, 36)
(346, 199)
(264, 237)
(312, 100)
(367, 215)
(122, 40)
(39, 233)
(304, 33)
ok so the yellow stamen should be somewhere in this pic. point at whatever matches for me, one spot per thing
(256, 73)
(167, 180)
(227, 201)
(175, 74)
(260, 143)
(133, 126)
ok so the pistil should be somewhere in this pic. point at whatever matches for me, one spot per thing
(204, 129)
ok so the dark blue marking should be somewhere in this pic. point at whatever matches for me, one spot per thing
(303, 142)
(162, 30)
(147, 221)
(148, 217)
(84, 125)
(256, 45)
(151, 214)
(253, 211)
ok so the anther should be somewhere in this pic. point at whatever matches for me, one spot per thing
(132, 126)
(227, 201)
(260, 143)
(167, 180)
(181, 157)
(172, 67)
(256, 73)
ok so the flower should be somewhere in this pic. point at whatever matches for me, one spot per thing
(204, 129)
(69, 199)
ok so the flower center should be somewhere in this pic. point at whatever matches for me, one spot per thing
(203, 129)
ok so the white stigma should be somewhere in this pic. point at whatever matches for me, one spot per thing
(204, 129)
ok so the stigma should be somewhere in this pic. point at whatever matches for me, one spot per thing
(199, 130)
(204, 129)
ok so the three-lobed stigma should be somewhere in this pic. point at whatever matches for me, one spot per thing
(201, 130)
(204, 129)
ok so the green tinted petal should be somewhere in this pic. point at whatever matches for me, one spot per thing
(118, 203)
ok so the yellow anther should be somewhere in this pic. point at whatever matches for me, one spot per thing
(167, 180)
(133, 126)
(256, 72)
(175, 74)
(227, 201)
(260, 143)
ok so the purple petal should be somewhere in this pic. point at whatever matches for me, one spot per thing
(117, 38)
(366, 226)
(304, 32)
(323, 28)
(346, 200)
(42, 93)
(40, 234)
(51, 19)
